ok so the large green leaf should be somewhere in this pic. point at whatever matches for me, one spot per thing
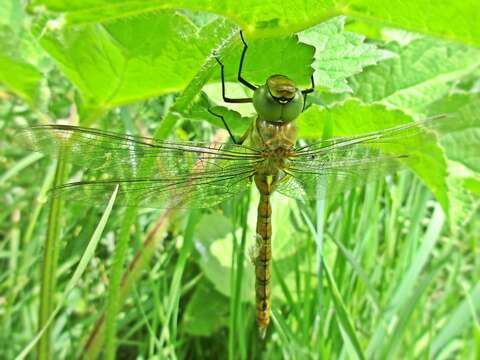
(214, 245)
(20, 78)
(458, 144)
(339, 54)
(461, 146)
(473, 185)
(206, 312)
(19, 56)
(128, 60)
(421, 74)
(452, 20)
(265, 57)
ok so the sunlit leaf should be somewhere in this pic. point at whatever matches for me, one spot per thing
(422, 73)
(19, 77)
(452, 20)
(19, 55)
(339, 54)
(128, 60)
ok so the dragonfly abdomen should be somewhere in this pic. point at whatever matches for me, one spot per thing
(263, 259)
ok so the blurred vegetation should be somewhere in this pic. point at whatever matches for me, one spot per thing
(388, 270)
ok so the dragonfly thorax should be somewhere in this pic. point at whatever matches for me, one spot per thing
(275, 160)
(278, 100)
(276, 141)
(271, 135)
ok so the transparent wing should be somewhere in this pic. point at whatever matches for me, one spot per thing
(330, 167)
(337, 173)
(150, 173)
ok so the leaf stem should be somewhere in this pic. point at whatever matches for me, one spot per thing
(50, 259)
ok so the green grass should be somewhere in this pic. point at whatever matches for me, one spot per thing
(389, 281)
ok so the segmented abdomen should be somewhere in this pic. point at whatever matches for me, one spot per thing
(263, 259)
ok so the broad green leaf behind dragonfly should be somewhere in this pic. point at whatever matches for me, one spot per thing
(339, 54)
(128, 60)
(456, 21)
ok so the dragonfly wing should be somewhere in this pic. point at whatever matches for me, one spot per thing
(331, 167)
(148, 193)
(337, 173)
(149, 173)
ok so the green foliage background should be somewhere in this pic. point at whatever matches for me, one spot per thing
(389, 270)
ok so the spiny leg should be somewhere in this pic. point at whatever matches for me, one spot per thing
(240, 142)
(231, 100)
(240, 78)
(225, 98)
(308, 91)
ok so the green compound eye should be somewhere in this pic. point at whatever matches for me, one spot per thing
(294, 108)
(278, 100)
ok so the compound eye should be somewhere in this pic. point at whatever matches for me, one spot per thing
(266, 106)
(294, 107)
(281, 88)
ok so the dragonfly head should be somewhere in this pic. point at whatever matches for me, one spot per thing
(279, 100)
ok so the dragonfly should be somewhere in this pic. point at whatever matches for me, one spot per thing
(202, 175)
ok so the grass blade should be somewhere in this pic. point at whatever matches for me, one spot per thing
(19, 166)
(50, 259)
(405, 314)
(407, 282)
(168, 334)
(460, 319)
(80, 269)
(114, 284)
(344, 319)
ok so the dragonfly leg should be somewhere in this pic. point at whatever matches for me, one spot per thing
(227, 128)
(240, 78)
(225, 98)
(308, 91)
(245, 136)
